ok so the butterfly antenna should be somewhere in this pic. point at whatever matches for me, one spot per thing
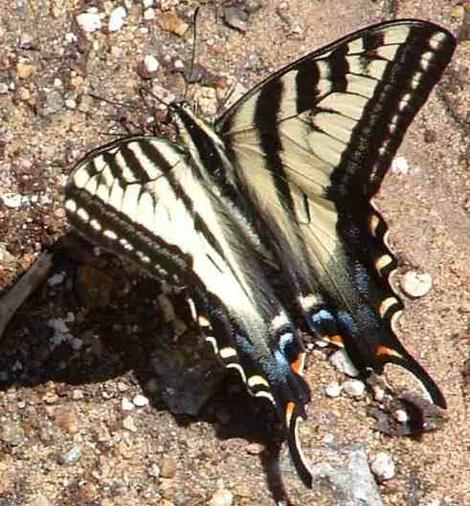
(110, 102)
(129, 126)
(193, 54)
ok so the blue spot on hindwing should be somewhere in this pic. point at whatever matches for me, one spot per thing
(322, 316)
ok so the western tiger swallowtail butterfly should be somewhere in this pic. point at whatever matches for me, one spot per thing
(279, 185)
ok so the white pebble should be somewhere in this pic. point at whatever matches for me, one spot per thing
(382, 466)
(400, 165)
(329, 438)
(70, 103)
(129, 424)
(126, 404)
(70, 37)
(12, 200)
(354, 388)
(122, 387)
(140, 401)
(149, 14)
(178, 65)
(154, 471)
(117, 19)
(151, 64)
(89, 21)
(56, 279)
(379, 393)
(416, 284)
(401, 416)
(76, 343)
(147, 3)
(222, 497)
(333, 390)
(340, 359)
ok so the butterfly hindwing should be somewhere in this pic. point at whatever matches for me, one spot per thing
(311, 145)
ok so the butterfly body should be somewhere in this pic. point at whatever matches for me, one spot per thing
(279, 186)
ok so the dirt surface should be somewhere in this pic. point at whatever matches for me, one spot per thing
(91, 339)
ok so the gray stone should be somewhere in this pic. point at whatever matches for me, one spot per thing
(71, 457)
(345, 475)
(340, 359)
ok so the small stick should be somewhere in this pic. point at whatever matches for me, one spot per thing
(23, 288)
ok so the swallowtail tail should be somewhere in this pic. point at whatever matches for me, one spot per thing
(279, 185)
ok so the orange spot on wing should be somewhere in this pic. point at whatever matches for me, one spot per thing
(289, 410)
(385, 350)
(337, 340)
(298, 364)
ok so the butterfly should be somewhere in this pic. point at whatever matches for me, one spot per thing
(278, 187)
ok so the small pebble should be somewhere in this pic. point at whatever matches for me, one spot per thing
(154, 471)
(26, 41)
(383, 467)
(71, 457)
(329, 438)
(5, 255)
(416, 284)
(354, 388)
(140, 401)
(89, 21)
(149, 14)
(170, 22)
(400, 165)
(126, 404)
(167, 467)
(25, 70)
(254, 448)
(56, 279)
(66, 420)
(3, 88)
(70, 37)
(147, 3)
(151, 64)
(129, 424)
(333, 390)
(70, 103)
(77, 395)
(221, 497)
(117, 18)
(401, 416)
(122, 387)
(53, 102)
(236, 18)
(379, 393)
(340, 359)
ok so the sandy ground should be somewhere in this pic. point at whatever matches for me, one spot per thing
(79, 351)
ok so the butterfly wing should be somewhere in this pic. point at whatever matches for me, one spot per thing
(311, 145)
(144, 199)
